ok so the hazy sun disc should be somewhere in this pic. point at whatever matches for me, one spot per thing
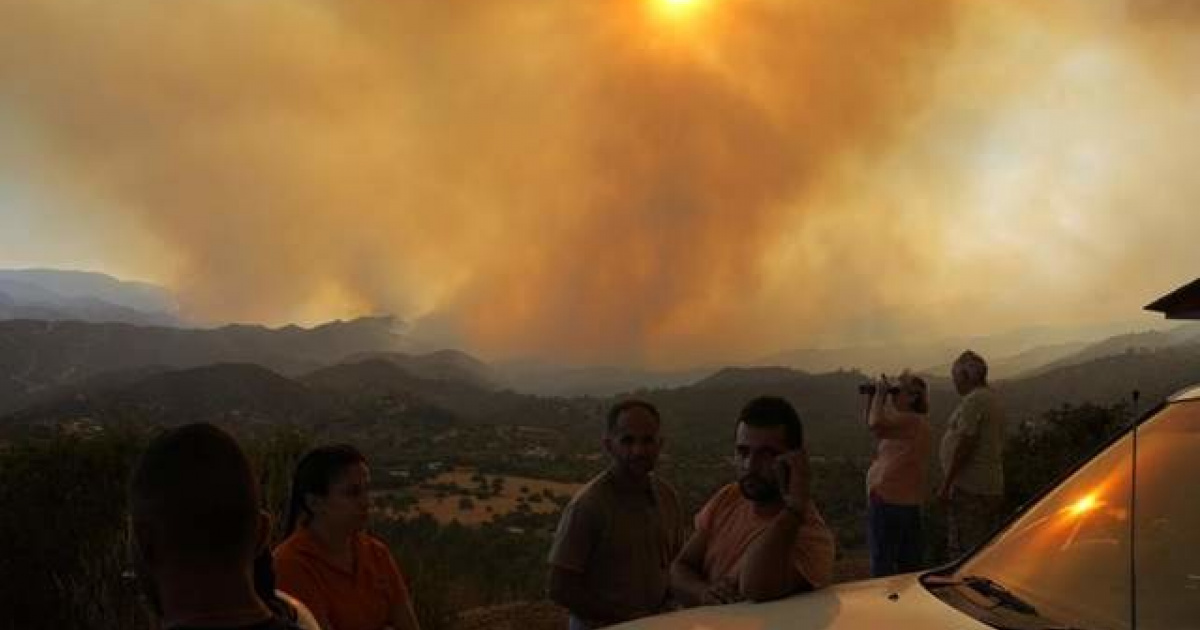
(677, 6)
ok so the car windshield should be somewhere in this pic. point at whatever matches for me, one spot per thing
(1069, 557)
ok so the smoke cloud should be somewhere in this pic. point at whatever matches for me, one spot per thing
(602, 181)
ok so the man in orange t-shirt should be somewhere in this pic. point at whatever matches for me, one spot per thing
(761, 538)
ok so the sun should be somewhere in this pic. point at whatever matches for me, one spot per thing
(677, 7)
(680, 25)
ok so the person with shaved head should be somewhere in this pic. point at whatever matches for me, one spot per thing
(612, 552)
(972, 459)
(197, 529)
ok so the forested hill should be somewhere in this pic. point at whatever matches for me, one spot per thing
(36, 356)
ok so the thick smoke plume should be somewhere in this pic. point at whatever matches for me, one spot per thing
(616, 181)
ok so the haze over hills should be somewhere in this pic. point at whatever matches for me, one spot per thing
(409, 395)
(1155, 373)
(1181, 335)
(38, 355)
(51, 294)
(391, 388)
(552, 379)
(238, 392)
(367, 358)
(351, 396)
(1009, 353)
(441, 365)
(1019, 364)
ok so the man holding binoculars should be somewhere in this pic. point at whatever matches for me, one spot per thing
(897, 415)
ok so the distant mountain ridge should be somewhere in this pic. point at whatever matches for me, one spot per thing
(225, 392)
(698, 415)
(1121, 344)
(142, 296)
(370, 367)
(39, 355)
(54, 295)
(1010, 353)
(1153, 373)
(441, 365)
(1023, 363)
(84, 296)
(361, 393)
(550, 379)
(759, 376)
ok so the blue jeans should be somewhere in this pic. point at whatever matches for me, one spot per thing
(894, 537)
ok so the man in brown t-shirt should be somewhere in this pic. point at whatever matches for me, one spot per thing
(612, 553)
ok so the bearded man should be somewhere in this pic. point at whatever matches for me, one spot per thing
(761, 538)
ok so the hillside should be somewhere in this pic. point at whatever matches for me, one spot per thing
(36, 356)
(442, 365)
(1020, 364)
(1122, 344)
(224, 393)
(376, 380)
(734, 377)
(549, 379)
(368, 395)
(1010, 352)
(69, 369)
(1107, 380)
(141, 296)
(92, 297)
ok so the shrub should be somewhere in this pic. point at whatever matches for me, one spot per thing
(63, 530)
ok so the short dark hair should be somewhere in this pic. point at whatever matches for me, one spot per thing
(315, 472)
(194, 489)
(773, 411)
(614, 412)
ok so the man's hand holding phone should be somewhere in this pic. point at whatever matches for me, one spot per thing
(795, 480)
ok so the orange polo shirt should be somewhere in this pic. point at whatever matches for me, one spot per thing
(361, 599)
(732, 526)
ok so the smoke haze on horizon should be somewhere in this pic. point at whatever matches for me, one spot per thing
(606, 181)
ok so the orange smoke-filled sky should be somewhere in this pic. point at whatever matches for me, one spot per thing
(630, 181)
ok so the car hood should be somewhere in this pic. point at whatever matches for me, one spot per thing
(894, 602)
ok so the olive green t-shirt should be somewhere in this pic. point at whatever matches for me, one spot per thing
(622, 541)
(979, 414)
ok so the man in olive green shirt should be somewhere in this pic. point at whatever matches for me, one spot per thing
(611, 557)
(972, 458)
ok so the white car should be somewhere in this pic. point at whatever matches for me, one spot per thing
(1114, 546)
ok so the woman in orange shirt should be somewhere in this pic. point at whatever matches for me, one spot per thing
(346, 577)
